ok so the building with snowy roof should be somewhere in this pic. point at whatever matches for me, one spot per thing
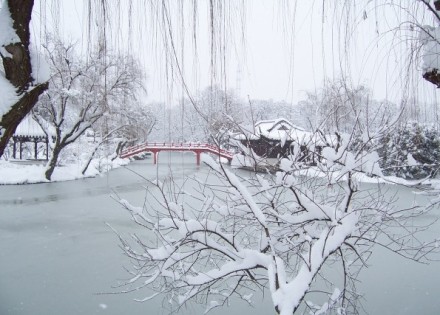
(278, 138)
(29, 131)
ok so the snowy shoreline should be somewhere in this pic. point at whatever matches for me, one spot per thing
(12, 173)
(360, 177)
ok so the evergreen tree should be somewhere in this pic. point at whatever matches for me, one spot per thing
(412, 152)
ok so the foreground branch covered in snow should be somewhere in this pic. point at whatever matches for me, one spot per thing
(224, 235)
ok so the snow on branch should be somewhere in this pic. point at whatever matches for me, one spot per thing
(7, 36)
(236, 232)
(7, 33)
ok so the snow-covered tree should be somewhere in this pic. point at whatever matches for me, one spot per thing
(162, 117)
(209, 116)
(338, 107)
(283, 233)
(258, 110)
(83, 91)
(126, 123)
(221, 110)
(412, 151)
(22, 80)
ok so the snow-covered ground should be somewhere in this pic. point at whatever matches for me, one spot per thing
(20, 172)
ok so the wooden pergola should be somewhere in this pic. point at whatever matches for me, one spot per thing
(29, 130)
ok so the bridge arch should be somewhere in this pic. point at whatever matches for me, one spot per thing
(197, 148)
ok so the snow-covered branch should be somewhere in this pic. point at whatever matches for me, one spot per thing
(230, 235)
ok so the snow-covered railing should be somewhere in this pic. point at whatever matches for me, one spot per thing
(163, 146)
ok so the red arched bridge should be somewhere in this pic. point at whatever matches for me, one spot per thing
(197, 148)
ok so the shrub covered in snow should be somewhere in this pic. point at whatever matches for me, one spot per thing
(411, 152)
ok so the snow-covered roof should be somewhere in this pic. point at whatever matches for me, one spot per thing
(276, 129)
(282, 130)
(267, 126)
(273, 129)
(29, 127)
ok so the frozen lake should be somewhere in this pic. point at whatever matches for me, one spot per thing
(57, 253)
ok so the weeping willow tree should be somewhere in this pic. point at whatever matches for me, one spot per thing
(181, 32)
(109, 23)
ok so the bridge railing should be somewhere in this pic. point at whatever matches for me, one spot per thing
(172, 145)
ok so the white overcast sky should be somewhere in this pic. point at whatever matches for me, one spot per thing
(286, 49)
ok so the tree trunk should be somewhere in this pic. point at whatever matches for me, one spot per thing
(18, 71)
(53, 161)
(12, 119)
(86, 166)
(119, 149)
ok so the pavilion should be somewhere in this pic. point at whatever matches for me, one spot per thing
(29, 130)
(277, 138)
